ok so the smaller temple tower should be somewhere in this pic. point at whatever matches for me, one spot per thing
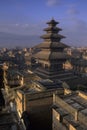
(52, 56)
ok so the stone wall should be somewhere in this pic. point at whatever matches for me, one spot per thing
(39, 106)
(40, 113)
(57, 125)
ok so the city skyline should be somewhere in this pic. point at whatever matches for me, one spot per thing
(25, 19)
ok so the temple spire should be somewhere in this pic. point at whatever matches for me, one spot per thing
(52, 18)
(51, 57)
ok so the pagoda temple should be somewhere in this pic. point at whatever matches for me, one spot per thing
(51, 57)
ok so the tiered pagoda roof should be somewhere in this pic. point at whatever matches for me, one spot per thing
(52, 56)
(51, 45)
(51, 36)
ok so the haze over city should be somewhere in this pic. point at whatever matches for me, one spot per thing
(22, 21)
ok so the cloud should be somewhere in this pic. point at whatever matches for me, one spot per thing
(16, 24)
(72, 11)
(53, 2)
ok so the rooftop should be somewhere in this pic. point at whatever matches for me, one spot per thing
(46, 84)
(75, 102)
(26, 89)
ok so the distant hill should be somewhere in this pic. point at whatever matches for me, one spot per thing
(12, 40)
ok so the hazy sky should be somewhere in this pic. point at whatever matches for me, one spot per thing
(29, 17)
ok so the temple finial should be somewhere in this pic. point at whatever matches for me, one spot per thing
(52, 18)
